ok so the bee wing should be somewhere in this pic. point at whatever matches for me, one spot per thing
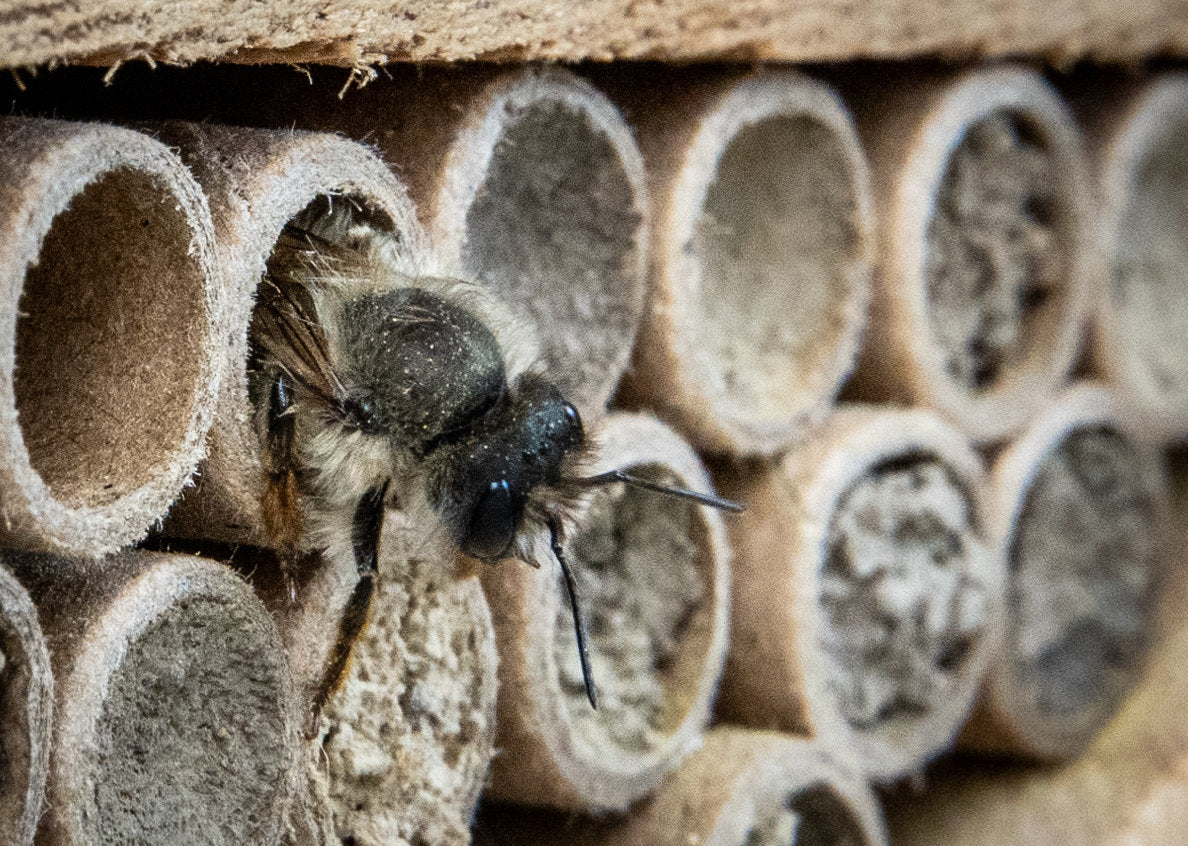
(287, 333)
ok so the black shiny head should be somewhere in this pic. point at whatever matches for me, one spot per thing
(481, 484)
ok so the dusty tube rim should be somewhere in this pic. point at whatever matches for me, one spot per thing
(251, 204)
(498, 112)
(871, 438)
(72, 159)
(169, 584)
(1018, 392)
(1159, 112)
(748, 105)
(611, 775)
(1084, 406)
(26, 707)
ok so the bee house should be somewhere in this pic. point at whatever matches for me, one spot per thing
(601, 424)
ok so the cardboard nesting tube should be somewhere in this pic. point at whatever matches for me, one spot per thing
(987, 267)
(26, 713)
(166, 667)
(867, 596)
(652, 573)
(1081, 510)
(1128, 787)
(762, 252)
(1139, 344)
(541, 195)
(401, 749)
(112, 315)
(257, 181)
(740, 788)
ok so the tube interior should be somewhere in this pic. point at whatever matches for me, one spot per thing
(553, 229)
(903, 600)
(996, 251)
(15, 754)
(1084, 566)
(776, 242)
(814, 816)
(191, 743)
(1150, 264)
(643, 573)
(110, 340)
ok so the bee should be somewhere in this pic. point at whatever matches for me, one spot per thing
(375, 389)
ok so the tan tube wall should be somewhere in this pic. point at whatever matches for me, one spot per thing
(112, 318)
(986, 253)
(165, 667)
(863, 579)
(652, 573)
(26, 713)
(763, 243)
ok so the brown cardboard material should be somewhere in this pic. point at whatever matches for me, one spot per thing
(763, 246)
(112, 322)
(1080, 508)
(740, 787)
(873, 523)
(26, 713)
(166, 667)
(986, 245)
(652, 573)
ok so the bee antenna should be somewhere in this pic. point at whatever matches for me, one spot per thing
(557, 540)
(623, 476)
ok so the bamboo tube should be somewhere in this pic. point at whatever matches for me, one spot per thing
(987, 265)
(175, 715)
(26, 711)
(1139, 342)
(652, 575)
(402, 747)
(763, 242)
(1080, 508)
(258, 181)
(866, 595)
(112, 312)
(740, 788)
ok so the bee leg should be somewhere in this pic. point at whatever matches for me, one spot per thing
(279, 504)
(557, 540)
(366, 524)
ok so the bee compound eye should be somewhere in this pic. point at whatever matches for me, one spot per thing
(493, 523)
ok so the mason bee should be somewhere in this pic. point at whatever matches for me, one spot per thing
(376, 389)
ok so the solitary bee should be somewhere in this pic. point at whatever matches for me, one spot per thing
(374, 388)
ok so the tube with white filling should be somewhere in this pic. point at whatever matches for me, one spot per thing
(867, 592)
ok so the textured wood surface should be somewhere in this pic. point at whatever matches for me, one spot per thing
(361, 32)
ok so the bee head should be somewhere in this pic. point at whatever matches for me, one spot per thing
(481, 485)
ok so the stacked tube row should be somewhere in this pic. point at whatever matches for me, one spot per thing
(964, 549)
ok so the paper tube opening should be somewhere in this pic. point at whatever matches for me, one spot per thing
(813, 816)
(903, 601)
(776, 247)
(1142, 345)
(176, 716)
(1084, 562)
(996, 252)
(550, 207)
(102, 398)
(26, 703)
(644, 573)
